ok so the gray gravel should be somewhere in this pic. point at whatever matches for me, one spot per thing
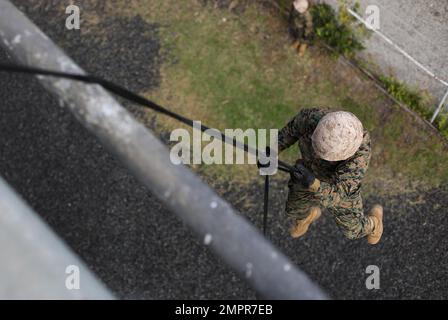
(136, 246)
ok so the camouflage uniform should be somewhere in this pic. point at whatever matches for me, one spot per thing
(301, 25)
(340, 189)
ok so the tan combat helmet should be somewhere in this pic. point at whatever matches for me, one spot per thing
(301, 5)
(338, 136)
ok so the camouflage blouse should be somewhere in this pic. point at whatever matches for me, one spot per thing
(341, 180)
(301, 24)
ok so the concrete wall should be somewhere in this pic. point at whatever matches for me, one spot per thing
(420, 27)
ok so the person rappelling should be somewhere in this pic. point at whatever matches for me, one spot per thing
(301, 25)
(335, 151)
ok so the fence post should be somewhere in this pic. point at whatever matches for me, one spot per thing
(439, 108)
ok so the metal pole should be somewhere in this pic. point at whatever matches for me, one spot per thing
(34, 262)
(439, 108)
(228, 234)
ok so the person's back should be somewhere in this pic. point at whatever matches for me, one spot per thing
(301, 25)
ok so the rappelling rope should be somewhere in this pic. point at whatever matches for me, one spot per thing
(131, 96)
(266, 205)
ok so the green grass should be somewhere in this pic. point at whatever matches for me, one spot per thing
(412, 152)
(242, 73)
(334, 31)
(410, 97)
(416, 101)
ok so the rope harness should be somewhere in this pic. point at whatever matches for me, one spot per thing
(138, 99)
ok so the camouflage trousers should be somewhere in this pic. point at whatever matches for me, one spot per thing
(349, 215)
(298, 34)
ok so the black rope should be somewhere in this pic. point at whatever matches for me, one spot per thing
(266, 205)
(131, 96)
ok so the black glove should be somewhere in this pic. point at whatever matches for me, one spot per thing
(267, 165)
(304, 177)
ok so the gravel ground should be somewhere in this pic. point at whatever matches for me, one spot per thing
(139, 248)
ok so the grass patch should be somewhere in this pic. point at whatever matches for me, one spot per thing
(238, 71)
(409, 153)
(335, 30)
(410, 97)
(416, 101)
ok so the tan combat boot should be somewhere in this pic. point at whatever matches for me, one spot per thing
(295, 45)
(376, 218)
(301, 226)
(302, 49)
